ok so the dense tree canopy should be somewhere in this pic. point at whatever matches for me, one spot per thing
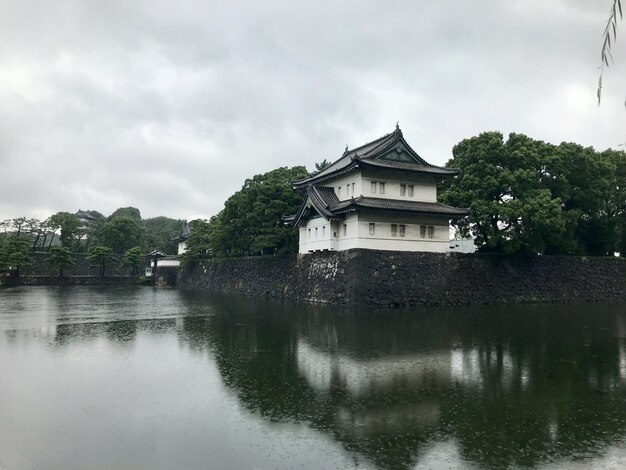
(121, 233)
(159, 232)
(132, 258)
(69, 226)
(199, 241)
(98, 257)
(61, 257)
(527, 196)
(131, 212)
(250, 223)
(14, 253)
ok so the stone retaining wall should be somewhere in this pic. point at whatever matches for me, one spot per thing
(406, 279)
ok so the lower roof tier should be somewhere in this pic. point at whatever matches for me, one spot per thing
(325, 202)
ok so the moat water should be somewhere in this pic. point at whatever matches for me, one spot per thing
(161, 379)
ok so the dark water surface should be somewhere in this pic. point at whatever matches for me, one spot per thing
(163, 379)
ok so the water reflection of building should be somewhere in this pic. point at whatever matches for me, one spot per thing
(322, 369)
(395, 389)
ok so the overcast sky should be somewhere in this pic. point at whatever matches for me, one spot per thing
(170, 106)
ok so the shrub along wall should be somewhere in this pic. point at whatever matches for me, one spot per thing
(406, 279)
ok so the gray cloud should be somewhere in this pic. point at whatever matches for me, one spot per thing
(170, 108)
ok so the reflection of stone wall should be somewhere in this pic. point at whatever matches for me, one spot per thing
(400, 278)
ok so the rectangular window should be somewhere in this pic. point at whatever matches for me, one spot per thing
(373, 187)
(394, 230)
(347, 190)
(402, 189)
(382, 188)
(316, 233)
(309, 234)
(422, 232)
(372, 228)
(402, 230)
(339, 192)
(353, 189)
(323, 232)
(411, 187)
(431, 232)
(345, 229)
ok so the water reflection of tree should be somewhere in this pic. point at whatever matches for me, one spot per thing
(516, 387)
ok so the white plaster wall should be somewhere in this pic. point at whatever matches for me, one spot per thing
(182, 247)
(412, 240)
(358, 236)
(166, 263)
(424, 190)
(324, 239)
(400, 244)
(351, 239)
(343, 182)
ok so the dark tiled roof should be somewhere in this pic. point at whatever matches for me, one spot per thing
(411, 167)
(156, 254)
(369, 154)
(186, 230)
(325, 198)
(88, 215)
(184, 233)
(435, 208)
(325, 202)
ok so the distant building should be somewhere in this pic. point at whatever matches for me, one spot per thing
(86, 217)
(181, 240)
(165, 264)
(381, 195)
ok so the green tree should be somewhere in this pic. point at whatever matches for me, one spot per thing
(61, 257)
(319, 166)
(133, 257)
(46, 230)
(159, 232)
(90, 234)
(199, 241)
(131, 212)
(69, 226)
(250, 223)
(98, 257)
(121, 233)
(5, 225)
(529, 196)
(18, 224)
(14, 253)
(583, 181)
(35, 229)
(511, 211)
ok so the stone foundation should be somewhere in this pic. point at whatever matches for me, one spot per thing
(407, 279)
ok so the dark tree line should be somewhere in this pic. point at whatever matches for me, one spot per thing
(527, 196)
(123, 233)
(250, 223)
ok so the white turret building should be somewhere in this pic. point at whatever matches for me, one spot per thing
(381, 195)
